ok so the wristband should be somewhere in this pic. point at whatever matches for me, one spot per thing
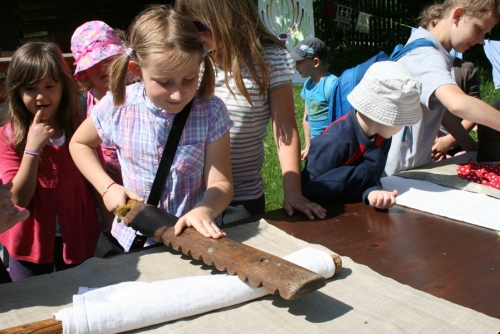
(36, 154)
(106, 189)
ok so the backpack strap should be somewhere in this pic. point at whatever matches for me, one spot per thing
(400, 50)
(327, 88)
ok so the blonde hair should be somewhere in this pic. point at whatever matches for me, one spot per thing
(239, 35)
(473, 8)
(160, 30)
(430, 16)
(32, 62)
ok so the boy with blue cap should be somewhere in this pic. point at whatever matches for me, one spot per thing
(310, 61)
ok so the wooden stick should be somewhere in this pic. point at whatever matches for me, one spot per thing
(49, 326)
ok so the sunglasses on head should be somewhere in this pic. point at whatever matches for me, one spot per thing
(201, 27)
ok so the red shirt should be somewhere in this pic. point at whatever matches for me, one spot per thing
(61, 191)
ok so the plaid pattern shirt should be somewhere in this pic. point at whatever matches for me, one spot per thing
(140, 130)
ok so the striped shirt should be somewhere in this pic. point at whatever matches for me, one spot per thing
(140, 130)
(250, 123)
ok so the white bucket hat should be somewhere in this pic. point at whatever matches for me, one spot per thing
(389, 94)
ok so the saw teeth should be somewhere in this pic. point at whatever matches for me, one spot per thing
(231, 271)
(197, 257)
(254, 281)
(272, 291)
(242, 277)
(209, 262)
(220, 267)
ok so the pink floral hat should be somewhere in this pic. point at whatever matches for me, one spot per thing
(93, 42)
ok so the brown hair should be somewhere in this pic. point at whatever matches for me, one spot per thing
(31, 63)
(430, 16)
(239, 35)
(475, 8)
(159, 29)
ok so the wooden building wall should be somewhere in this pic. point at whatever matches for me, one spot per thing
(56, 20)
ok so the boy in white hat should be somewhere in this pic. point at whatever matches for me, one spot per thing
(347, 161)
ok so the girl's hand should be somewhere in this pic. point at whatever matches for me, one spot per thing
(118, 195)
(382, 199)
(10, 215)
(38, 134)
(295, 200)
(201, 219)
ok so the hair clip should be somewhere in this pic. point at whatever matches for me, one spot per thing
(130, 52)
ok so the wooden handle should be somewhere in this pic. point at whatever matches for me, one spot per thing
(338, 263)
(149, 223)
(49, 326)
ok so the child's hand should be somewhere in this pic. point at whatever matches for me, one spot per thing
(304, 153)
(295, 200)
(118, 195)
(441, 146)
(38, 134)
(10, 215)
(201, 219)
(381, 199)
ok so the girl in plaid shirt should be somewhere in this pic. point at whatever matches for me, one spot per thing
(164, 49)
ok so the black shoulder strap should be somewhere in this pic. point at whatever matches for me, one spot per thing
(168, 155)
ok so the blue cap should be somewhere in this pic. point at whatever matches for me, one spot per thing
(310, 48)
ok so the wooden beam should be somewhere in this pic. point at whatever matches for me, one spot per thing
(5, 62)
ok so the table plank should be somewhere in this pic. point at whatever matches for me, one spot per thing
(449, 259)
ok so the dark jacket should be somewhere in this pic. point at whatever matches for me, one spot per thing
(343, 164)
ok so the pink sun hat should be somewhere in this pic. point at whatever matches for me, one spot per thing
(93, 42)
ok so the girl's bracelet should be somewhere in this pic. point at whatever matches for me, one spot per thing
(106, 189)
(36, 154)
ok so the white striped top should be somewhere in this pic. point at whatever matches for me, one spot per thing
(250, 123)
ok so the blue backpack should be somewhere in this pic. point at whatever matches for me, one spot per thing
(339, 106)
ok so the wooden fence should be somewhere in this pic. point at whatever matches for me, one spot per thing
(389, 19)
(390, 23)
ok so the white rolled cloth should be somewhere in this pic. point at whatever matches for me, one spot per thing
(132, 305)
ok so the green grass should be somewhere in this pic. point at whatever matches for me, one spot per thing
(488, 92)
(273, 181)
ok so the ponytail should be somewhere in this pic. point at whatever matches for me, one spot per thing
(207, 84)
(117, 81)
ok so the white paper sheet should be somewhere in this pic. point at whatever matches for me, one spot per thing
(472, 208)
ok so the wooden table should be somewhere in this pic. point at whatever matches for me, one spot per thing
(449, 259)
